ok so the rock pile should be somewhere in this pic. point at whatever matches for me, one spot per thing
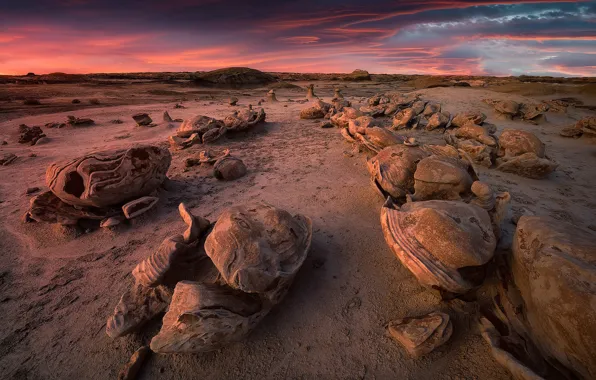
(509, 109)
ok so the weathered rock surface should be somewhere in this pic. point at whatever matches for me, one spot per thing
(421, 335)
(229, 168)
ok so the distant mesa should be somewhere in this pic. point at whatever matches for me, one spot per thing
(358, 75)
(234, 77)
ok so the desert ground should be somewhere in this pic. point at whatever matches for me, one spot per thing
(58, 285)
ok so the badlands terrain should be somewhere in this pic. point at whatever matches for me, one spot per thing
(59, 284)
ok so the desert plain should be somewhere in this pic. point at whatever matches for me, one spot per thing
(59, 284)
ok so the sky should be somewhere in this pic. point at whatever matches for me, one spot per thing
(398, 37)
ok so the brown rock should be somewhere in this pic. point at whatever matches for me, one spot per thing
(142, 119)
(139, 206)
(421, 335)
(463, 118)
(229, 168)
(131, 369)
(527, 165)
(47, 207)
(109, 178)
(515, 142)
(438, 177)
(7, 158)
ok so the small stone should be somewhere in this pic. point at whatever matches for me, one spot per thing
(72, 120)
(32, 155)
(111, 222)
(32, 190)
(233, 101)
(116, 121)
(142, 119)
(229, 168)
(571, 132)
(167, 118)
(76, 101)
(139, 206)
(4, 142)
(131, 369)
(421, 335)
(7, 158)
(42, 140)
(326, 124)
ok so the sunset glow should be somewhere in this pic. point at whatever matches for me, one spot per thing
(409, 37)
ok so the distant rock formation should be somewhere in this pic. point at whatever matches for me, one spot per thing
(234, 77)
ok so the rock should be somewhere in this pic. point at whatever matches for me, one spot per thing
(431, 109)
(439, 177)
(30, 135)
(418, 107)
(475, 132)
(533, 113)
(142, 119)
(258, 248)
(139, 206)
(131, 369)
(337, 94)
(110, 177)
(377, 138)
(32, 190)
(326, 124)
(72, 120)
(76, 101)
(47, 207)
(233, 101)
(527, 165)
(116, 121)
(438, 120)
(479, 153)
(271, 96)
(111, 221)
(244, 119)
(587, 125)
(463, 118)
(7, 158)
(509, 108)
(229, 168)
(200, 125)
(515, 142)
(137, 306)
(404, 119)
(416, 234)
(55, 125)
(167, 118)
(421, 335)
(31, 102)
(312, 113)
(392, 170)
(183, 143)
(310, 92)
(42, 140)
(553, 268)
(206, 317)
(571, 132)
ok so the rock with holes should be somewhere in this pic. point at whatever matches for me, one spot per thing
(258, 248)
(421, 335)
(139, 206)
(136, 307)
(206, 317)
(108, 178)
(199, 124)
(417, 233)
(30, 135)
(440, 177)
(392, 170)
(229, 168)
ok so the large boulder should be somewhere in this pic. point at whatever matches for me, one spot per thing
(554, 269)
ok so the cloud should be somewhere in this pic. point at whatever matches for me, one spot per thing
(412, 36)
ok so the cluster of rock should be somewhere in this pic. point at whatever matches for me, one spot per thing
(509, 110)
(225, 166)
(107, 186)
(204, 129)
(444, 224)
(584, 127)
(217, 295)
(30, 135)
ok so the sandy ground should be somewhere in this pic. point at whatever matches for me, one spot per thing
(59, 285)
